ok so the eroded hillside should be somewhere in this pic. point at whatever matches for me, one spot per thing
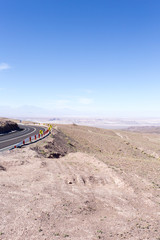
(106, 186)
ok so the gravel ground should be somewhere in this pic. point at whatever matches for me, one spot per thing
(107, 188)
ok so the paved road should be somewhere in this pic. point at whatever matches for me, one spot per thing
(13, 138)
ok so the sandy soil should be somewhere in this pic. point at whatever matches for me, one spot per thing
(109, 189)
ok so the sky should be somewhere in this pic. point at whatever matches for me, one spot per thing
(88, 58)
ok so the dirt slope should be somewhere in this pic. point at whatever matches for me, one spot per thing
(8, 126)
(108, 189)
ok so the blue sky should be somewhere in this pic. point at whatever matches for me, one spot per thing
(84, 57)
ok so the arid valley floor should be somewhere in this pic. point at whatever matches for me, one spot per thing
(82, 183)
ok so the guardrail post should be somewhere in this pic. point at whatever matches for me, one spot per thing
(30, 139)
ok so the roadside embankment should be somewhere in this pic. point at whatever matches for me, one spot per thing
(8, 126)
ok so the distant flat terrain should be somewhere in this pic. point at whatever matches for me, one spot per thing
(145, 129)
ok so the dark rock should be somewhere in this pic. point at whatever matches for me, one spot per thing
(8, 126)
(58, 147)
(2, 168)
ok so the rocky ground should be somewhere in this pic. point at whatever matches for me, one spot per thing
(8, 126)
(82, 183)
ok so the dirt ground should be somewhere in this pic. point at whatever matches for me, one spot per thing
(106, 186)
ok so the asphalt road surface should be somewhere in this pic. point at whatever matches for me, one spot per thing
(13, 138)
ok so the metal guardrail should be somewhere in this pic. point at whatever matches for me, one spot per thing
(27, 141)
(31, 139)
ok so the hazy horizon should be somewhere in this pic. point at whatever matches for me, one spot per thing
(28, 111)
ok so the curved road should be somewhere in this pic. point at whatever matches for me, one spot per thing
(13, 138)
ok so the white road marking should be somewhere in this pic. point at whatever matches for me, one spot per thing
(6, 134)
(12, 146)
(8, 148)
(17, 137)
(23, 131)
